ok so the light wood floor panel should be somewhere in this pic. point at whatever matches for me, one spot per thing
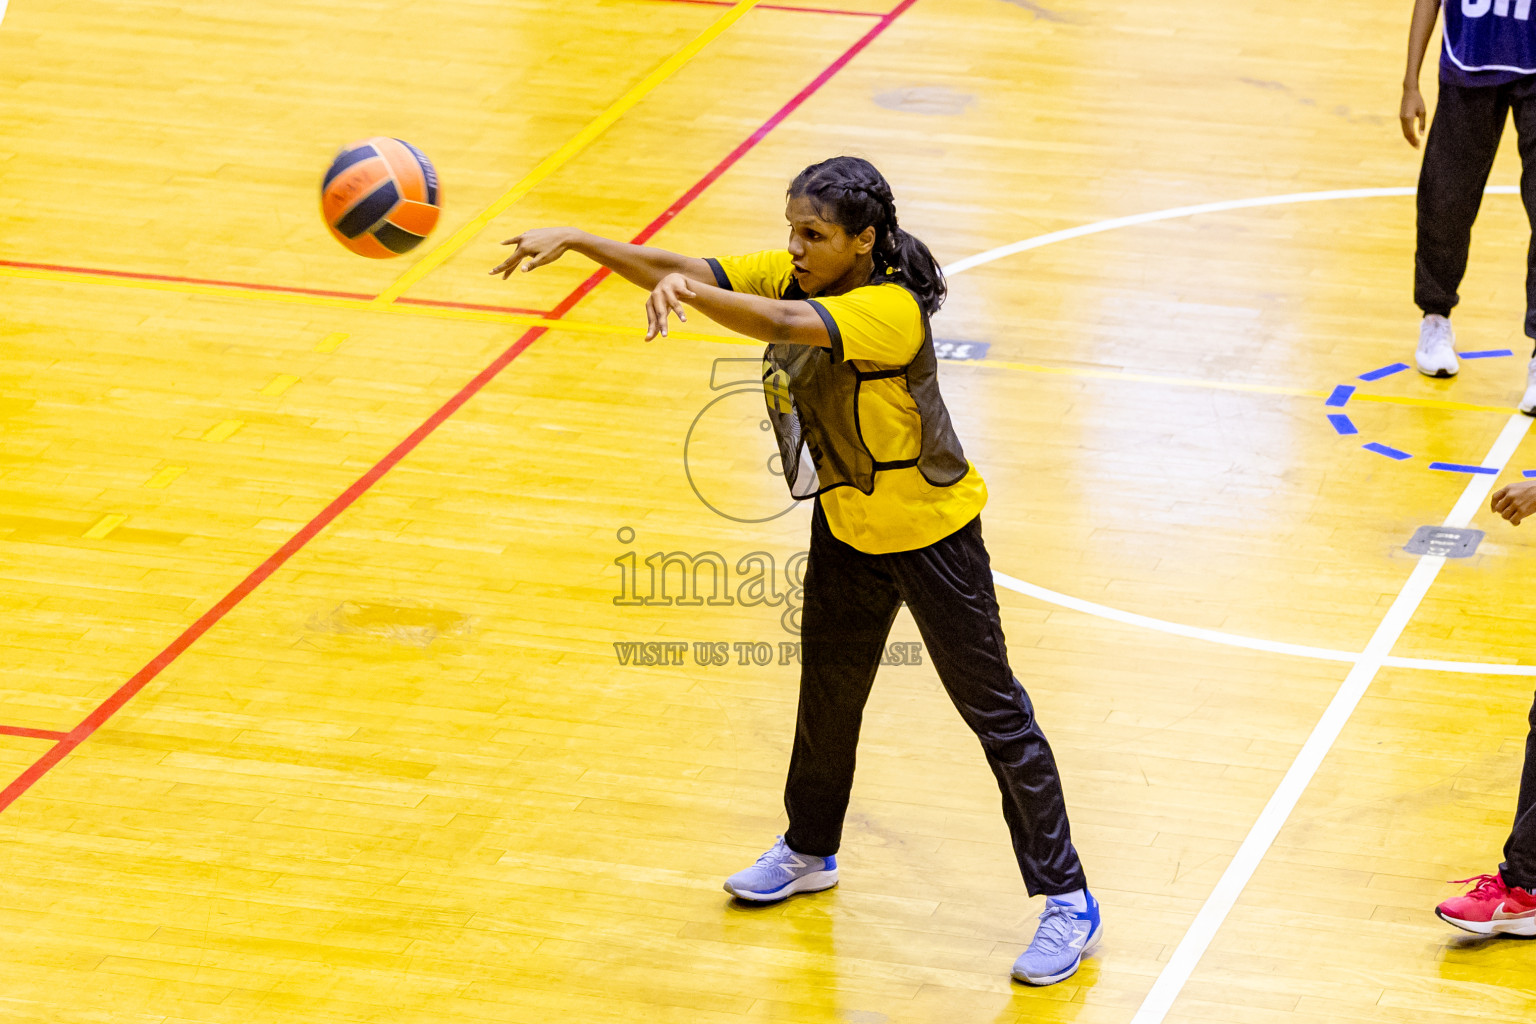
(1363, 831)
(220, 190)
(407, 779)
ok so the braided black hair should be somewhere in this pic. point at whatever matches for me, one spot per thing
(848, 191)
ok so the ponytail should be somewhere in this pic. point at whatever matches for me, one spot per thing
(849, 192)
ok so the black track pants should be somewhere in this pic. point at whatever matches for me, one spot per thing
(851, 599)
(1457, 158)
(1519, 867)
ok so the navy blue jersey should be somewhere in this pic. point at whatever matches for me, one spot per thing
(1487, 42)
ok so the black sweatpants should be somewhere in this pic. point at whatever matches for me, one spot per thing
(851, 599)
(1457, 158)
(1519, 867)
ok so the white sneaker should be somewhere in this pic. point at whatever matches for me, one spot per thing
(1528, 401)
(1064, 937)
(1436, 355)
(782, 872)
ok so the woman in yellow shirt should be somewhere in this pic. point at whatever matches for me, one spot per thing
(850, 379)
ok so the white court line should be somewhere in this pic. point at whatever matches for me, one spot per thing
(1174, 628)
(1473, 667)
(992, 255)
(1171, 981)
(1252, 643)
(1195, 942)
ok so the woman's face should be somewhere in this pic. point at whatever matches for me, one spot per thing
(826, 257)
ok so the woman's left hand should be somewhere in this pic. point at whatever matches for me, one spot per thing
(666, 298)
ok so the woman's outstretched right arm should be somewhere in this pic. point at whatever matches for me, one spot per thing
(639, 264)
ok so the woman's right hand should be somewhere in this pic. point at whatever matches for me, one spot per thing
(1411, 114)
(1515, 501)
(538, 247)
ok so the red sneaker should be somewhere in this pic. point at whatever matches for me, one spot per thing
(1491, 908)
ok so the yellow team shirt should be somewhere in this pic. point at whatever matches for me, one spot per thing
(879, 327)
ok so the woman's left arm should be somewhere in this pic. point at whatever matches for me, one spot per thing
(775, 321)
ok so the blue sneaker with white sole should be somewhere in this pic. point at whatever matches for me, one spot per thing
(1064, 937)
(782, 872)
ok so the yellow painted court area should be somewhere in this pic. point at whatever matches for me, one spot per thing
(326, 628)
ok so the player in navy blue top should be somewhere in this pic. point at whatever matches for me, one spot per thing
(1487, 71)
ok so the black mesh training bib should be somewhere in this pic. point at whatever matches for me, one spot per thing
(813, 404)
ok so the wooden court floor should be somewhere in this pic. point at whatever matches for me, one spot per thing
(327, 583)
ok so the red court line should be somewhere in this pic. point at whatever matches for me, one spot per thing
(443, 304)
(287, 289)
(780, 7)
(740, 151)
(109, 707)
(31, 734)
(136, 276)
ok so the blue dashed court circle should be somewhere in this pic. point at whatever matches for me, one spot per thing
(1345, 427)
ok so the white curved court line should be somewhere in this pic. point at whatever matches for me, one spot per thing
(2, 10)
(1252, 643)
(1002, 251)
(1473, 667)
(1174, 628)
